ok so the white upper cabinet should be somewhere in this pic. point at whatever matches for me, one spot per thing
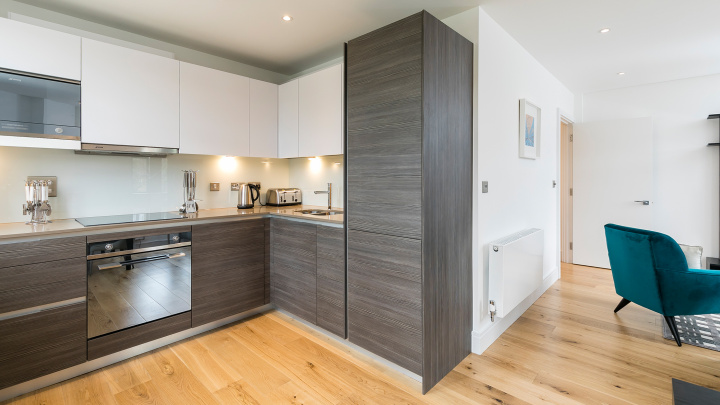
(29, 48)
(288, 103)
(321, 112)
(214, 112)
(129, 97)
(263, 119)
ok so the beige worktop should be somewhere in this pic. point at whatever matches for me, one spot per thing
(70, 227)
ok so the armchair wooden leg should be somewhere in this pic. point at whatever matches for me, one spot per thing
(673, 328)
(622, 304)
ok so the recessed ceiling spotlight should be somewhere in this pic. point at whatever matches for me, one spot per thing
(605, 30)
(621, 73)
(287, 18)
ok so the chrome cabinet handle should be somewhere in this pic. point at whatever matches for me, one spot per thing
(644, 202)
(115, 265)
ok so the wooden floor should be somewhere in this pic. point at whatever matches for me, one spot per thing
(568, 348)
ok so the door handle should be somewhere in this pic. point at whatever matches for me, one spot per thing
(136, 261)
(644, 202)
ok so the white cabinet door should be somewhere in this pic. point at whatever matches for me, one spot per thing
(129, 97)
(263, 119)
(288, 104)
(214, 112)
(28, 48)
(321, 106)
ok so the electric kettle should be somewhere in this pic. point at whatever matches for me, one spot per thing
(247, 195)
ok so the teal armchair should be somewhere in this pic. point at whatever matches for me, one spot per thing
(650, 270)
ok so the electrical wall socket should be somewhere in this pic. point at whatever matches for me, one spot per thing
(234, 186)
(214, 186)
(52, 188)
(484, 186)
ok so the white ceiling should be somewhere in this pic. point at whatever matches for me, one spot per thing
(251, 31)
(650, 40)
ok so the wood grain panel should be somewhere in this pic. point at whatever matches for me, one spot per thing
(393, 150)
(42, 283)
(136, 234)
(48, 250)
(386, 205)
(267, 259)
(447, 208)
(331, 279)
(384, 297)
(228, 270)
(41, 343)
(137, 335)
(294, 268)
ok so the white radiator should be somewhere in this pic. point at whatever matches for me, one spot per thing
(516, 270)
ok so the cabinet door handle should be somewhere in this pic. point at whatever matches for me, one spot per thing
(644, 202)
(115, 265)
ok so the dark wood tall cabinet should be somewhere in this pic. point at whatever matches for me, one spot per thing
(409, 194)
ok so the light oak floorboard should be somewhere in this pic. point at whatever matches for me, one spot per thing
(568, 348)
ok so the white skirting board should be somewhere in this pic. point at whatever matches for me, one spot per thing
(490, 331)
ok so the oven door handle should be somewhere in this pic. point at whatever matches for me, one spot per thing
(115, 265)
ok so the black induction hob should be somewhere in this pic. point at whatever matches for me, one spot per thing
(128, 218)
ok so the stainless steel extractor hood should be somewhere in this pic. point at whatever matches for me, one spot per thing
(102, 149)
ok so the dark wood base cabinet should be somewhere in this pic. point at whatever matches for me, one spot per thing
(409, 162)
(308, 272)
(228, 269)
(41, 343)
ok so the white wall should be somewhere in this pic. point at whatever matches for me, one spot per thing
(520, 190)
(311, 175)
(685, 197)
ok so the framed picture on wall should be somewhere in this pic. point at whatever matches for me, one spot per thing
(529, 130)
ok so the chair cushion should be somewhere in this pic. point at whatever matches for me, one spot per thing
(693, 254)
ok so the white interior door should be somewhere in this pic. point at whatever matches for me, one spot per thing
(612, 180)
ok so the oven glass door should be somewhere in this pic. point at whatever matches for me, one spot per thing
(129, 290)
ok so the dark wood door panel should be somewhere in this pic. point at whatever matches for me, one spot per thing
(331, 279)
(293, 268)
(372, 41)
(384, 296)
(394, 150)
(41, 343)
(228, 272)
(47, 250)
(393, 341)
(399, 82)
(42, 283)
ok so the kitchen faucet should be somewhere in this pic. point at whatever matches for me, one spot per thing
(329, 193)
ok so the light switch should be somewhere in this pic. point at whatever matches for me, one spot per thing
(214, 186)
(484, 186)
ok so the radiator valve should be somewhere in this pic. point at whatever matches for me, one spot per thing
(492, 311)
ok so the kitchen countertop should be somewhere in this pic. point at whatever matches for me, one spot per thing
(70, 227)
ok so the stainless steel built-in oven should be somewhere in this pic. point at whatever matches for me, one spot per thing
(137, 280)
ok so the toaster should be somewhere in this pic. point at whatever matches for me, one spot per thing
(284, 196)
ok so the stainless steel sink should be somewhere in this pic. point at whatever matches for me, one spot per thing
(320, 212)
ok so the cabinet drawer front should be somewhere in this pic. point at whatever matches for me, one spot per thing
(41, 343)
(22, 253)
(385, 297)
(42, 283)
